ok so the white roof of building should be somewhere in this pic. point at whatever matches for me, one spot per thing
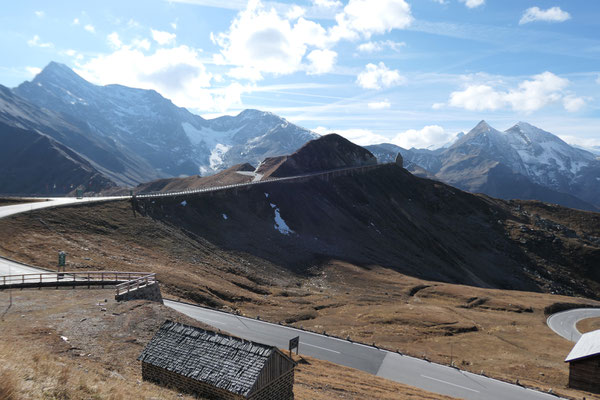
(588, 345)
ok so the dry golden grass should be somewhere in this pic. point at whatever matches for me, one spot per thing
(588, 325)
(500, 332)
(60, 345)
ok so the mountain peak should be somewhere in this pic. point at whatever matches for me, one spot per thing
(59, 74)
(325, 153)
(482, 125)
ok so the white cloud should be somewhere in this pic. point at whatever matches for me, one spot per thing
(371, 47)
(438, 106)
(327, 3)
(573, 104)
(33, 71)
(362, 137)
(528, 96)
(260, 40)
(428, 137)
(72, 53)
(40, 14)
(477, 98)
(295, 12)
(369, 17)
(379, 105)
(441, 1)
(579, 141)
(553, 14)
(473, 3)
(321, 61)
(90, 28)
(76, 21)
(36, 42)
(178, 73)
(163, 38)
(379, 76)
(114, 41)
(598, 80)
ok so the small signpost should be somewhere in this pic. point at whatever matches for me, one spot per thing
(294, 344)
(79, 193)
(62, 262)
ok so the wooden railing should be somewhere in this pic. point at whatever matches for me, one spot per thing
(124, 281)
(135, 284)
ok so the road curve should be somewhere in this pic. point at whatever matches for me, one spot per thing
(400, 368)
(565, 323)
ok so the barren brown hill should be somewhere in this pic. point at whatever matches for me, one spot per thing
(229, 176)
(388, 217)
(326, 153)
(500, 332)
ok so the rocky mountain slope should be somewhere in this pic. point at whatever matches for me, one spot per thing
(522, 162)
(387, 216)
(329, 152)
(69, 170)
(326, 153)
(170, 139)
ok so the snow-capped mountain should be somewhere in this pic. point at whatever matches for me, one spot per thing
(522, 162)
(170, 139)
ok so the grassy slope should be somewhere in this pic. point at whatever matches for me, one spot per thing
(74, 345)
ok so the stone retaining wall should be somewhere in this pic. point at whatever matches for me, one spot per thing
(150, 292)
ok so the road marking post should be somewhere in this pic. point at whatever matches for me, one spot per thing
(294, 344)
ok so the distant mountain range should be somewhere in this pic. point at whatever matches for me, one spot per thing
(522, 162)
(61, 132)
(131, 136)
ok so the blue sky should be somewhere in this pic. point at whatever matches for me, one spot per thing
(411, 72)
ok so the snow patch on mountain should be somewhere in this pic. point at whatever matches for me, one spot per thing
(216, 155)
(280, 224)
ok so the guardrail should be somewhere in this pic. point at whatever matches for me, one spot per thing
(124, 281)
(135, 284)
(247, 184)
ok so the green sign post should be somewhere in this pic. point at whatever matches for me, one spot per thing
(62, 261)
(80, 193)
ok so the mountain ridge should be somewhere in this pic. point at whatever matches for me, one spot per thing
(523, 162)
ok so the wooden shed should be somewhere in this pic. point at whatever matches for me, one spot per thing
(584, 363)
(216, 366)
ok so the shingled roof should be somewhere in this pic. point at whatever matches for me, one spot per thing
(223, 361)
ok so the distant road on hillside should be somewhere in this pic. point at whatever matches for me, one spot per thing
(565, 323)
(6, 211)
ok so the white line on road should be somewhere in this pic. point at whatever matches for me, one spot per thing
(452, 384)
(212, 321)
(322, 348)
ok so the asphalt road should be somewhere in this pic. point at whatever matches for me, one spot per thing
(565, 323)
(6, 211)
(408, 370)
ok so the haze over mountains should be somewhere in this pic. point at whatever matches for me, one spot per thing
(522, 162)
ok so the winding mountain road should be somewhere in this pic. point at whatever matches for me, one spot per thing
(565, 323)
(400, 368)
